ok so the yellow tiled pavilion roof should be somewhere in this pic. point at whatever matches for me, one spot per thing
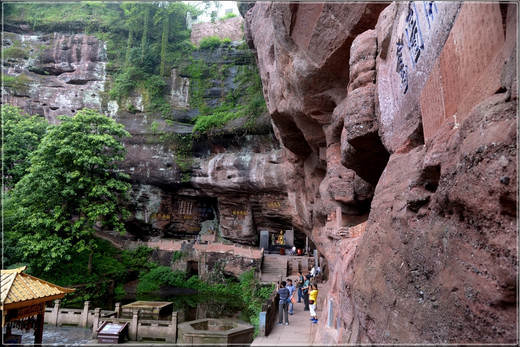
(20, 289)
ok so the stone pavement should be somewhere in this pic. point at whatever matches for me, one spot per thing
(300, 331)
(57, 336)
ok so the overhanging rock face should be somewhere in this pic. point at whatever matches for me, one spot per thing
(408, 111)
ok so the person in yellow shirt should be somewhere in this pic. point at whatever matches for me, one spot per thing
(313, 297)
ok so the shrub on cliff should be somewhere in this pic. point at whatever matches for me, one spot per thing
(228, 16)
(158, 277)
(210, 43)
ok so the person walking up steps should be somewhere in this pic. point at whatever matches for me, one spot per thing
(283, 305)
(299, 284)
(313, 297)
(305, 291)
(292, 290)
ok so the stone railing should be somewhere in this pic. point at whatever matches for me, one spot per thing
(242, 251)
(269, 315)
(216, 247)
(84, 317)
(141, 329)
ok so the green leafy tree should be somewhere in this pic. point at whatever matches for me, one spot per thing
(164, 45)
(71, 187)
(144, 38)
(21, 135)
(172, 19)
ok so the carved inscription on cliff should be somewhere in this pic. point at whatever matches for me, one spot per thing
(414, 40)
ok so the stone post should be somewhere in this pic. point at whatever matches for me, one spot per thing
(261, 323)
(339, 218)
(330, 313)
(118, 310)
(95, 324)
(55, 313)
(264, 240)
(173, 329)
(289, 238)
(133, 325)
(84, 314)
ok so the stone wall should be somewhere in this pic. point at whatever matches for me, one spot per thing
(209, 257)
(230, 28)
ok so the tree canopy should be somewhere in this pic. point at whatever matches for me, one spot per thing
(21, 135)
(71, 187)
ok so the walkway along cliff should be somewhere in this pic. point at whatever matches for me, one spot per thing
(398, 124)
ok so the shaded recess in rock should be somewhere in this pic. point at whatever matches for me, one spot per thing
(367, 156)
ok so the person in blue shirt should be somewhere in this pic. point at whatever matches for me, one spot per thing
(299, 284)
(283, 305)
(305, 289)
(292, 290)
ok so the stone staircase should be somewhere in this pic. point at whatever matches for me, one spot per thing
(274, 268)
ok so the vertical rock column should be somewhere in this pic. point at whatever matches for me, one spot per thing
(361, 147)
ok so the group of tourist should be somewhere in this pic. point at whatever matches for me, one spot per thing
(307, 290)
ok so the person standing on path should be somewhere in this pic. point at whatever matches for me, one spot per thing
(313, 297)
(305, 291)
(292, 290)
(283, 305)
(299, 284)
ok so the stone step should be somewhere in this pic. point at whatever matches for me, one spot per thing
(274, 266)
(273, 269)
(275, 272)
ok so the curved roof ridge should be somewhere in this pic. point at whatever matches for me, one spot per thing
(18, 287)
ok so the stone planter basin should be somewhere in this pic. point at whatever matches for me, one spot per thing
(215, 331)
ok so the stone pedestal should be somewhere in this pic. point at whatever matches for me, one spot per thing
(289, 238)
(264, 240)
(330, 313)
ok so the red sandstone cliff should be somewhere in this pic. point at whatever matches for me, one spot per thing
(399, 127)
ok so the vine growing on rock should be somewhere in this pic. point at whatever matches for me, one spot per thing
(245, 101)
(182, 145)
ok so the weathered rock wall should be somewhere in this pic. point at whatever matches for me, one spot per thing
(54, 74)
(233, 182)
(399, 126)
